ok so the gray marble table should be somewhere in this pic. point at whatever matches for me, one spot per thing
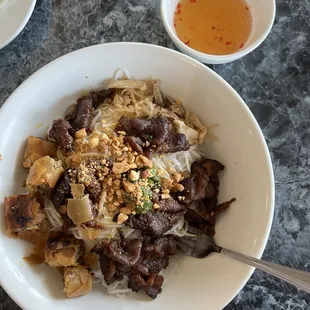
(274, 81)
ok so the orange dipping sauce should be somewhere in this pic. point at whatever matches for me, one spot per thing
(217, 27)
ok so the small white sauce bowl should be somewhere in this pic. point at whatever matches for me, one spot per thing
(263, 15)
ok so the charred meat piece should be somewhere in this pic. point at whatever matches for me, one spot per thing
(62, 132)
(155, 283)
(79, 114)
(108, 269)
(151, 284)
(135, 143)
(155, 254)
(77, 281)
(152, 265)
(100, 96)
(205, 226)
(94, 189)
(83, 117)
(161, 246)
(126, 253)
(201, 210)
(44, 174)
(62, 250)
(155, 223)
(175, 142)
(116, 258)
(195, 187)
(212, 167)
(200, 192)
(136, 282)
(67, 223)
(143, 274)
(203, 216)
(223, 207)
(37, 148)
(203, 181)
(23, 213)
(170, 205)
(158, 131)
(154, 129)
(61, 190)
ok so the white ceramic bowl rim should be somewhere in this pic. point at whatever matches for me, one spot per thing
(15, 30)
(122, 45)
(212, 57)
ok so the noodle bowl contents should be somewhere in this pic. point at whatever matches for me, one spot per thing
(115, 179)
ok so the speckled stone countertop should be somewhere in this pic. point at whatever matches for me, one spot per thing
(274, 81)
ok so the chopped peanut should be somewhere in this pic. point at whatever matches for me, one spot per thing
(134, 176)
(143, 161)
(176, 177)
(156, 206)
(165, 196)
(120, 168)
(93, 142)
(80, 134)
(166, 183)
(104, 137)
(126, 210)
(117, 182)
(179, 187)
(131, 159)
(133, 166)
(171, 170)
(129, 187)
(109, 181)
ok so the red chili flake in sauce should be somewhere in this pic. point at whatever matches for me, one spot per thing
(178, 11)
(247, 8)
(192, 1)
(213, 27)
(241, 46)
(228, 43)
(221, 39)
(187, 42)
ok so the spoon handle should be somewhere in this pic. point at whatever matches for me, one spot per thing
(300, 279)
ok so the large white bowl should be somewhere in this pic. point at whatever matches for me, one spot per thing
(263, 15)
(190, 283)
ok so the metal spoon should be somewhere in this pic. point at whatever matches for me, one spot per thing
(200, 246)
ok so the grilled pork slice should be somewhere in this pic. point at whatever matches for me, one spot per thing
(24, 216)
(77, 281)
(37, 148)
(44, 174)
(62, 250)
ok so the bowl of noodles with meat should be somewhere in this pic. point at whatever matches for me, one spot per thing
(104, 164)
